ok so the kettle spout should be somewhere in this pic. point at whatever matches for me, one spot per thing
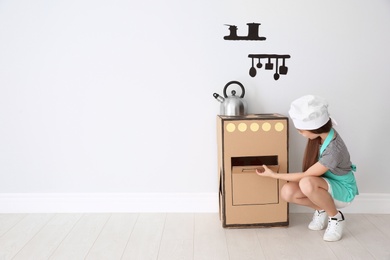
(218, 98)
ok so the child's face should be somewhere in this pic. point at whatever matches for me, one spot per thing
(308, 134)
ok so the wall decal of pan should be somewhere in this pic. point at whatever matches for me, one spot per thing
(279, 70)
(253, 33)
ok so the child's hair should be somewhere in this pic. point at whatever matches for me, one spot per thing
(313, 146)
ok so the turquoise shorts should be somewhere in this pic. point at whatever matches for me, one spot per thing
(342, 187)
(339, 204)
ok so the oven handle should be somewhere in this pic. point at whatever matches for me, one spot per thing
(275, 168)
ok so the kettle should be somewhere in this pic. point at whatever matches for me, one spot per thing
(232, 105)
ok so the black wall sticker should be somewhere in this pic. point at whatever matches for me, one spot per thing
(279, 70)
(253, 35)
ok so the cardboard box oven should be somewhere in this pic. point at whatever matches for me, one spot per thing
(245, 144)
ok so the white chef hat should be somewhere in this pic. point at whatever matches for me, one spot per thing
(309, 112)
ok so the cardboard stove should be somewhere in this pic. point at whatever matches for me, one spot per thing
(244, 144)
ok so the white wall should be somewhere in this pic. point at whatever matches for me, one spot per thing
(116, 96)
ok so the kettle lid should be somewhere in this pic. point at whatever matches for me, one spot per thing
(233, 91)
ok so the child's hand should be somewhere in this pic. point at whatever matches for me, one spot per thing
(264, 171)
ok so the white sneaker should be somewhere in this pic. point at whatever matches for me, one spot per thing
(320, 218)
(334, 232)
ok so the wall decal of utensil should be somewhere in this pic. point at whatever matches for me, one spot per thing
(253, 33)
(279, 70)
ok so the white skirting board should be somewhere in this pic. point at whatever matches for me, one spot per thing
(367, 203)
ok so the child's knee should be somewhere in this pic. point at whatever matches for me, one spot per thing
(308, 184)
(288, 191)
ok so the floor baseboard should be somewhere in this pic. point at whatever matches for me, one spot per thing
(367, 203)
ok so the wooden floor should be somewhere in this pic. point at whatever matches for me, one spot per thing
(183, 236)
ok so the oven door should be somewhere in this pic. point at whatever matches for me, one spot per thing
(250, 189)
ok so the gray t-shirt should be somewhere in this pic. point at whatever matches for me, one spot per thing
(336, 156)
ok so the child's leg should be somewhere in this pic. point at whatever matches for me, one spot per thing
(316, 190)
(291, 192)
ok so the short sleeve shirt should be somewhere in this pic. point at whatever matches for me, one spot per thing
(336, 157)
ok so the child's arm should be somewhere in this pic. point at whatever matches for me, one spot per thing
(316, 170)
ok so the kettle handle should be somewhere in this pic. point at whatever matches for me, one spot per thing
(234, 82)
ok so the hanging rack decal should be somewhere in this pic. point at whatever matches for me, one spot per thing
(253, 35)
(279, 70)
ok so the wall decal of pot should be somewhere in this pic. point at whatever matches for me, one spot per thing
(253, 33)
(279, 70)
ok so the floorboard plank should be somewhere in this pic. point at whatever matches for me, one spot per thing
(46, 241)
(369, 236)
(145, 238)
(177, 242)
(19, 235)
(308, 239)
(243, 244)
(81, 238)
(276, 243)
(209, 238)
(112, 241)
(381, 221)
(7, 221)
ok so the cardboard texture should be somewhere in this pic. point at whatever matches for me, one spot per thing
(244, 144)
